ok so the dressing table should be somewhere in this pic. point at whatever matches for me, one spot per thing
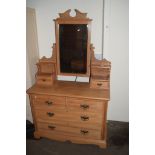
(70, 110)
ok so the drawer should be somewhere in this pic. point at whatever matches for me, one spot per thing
(85, 105)
(87, 120)
(45, 79)
(69, 131)
(51, 116)
(101, 72)
(49, 102)
(99, 84)
(47, 67)
(85, 117)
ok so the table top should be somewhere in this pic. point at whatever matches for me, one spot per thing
(71, 89)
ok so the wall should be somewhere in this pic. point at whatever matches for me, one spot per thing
(48, 10)
(115, 41)
(116, 49)
(28, 85)
(32, 54)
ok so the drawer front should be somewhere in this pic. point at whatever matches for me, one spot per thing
(44, 81)
(47, 68)
(69, 131)
(84, 105)
(86, 120)
(85, 117)
(101, 72)
(51, 116)
(99, 84)
(49, 103)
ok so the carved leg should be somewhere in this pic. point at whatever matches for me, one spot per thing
(103, 145)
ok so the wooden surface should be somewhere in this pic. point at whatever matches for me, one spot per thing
(73, 139)
(99, 83)
(80, 18)
(72, 89)
(71, 110)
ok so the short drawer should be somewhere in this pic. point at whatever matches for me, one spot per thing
(45, 79)
(85, 105)
(101, 72)
(99, 84)
(49, 102)
(46, 67)
(69, 131)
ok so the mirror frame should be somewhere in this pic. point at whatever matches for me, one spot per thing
(80, 18)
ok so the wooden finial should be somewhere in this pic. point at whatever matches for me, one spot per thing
(80, 14)
(65, 14)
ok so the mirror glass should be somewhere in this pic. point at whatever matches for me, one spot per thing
(73, 48)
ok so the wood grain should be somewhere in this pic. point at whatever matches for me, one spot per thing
(84, 105)
(99, 83)
(68, 131)
(71, 111)
(70, 89)
(72, 138)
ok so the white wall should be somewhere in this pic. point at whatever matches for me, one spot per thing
(32, 54)
(28, 85)
(116, 49)
(48, 10)
(115, 41)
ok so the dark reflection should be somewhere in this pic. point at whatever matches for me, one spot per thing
(73, 48)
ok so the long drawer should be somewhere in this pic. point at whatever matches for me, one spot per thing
(85, 119)
(49, 102)
(85, 105)
(51, 116)
(76, 119)
(69, 131)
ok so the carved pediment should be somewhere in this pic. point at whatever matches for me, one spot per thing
(79, 15)
(52, 58)
(100, 63)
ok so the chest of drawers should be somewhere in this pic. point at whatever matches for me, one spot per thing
(70, 111)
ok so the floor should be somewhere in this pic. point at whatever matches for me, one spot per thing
(118, 144)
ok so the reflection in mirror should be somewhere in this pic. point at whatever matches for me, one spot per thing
(73, 48)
